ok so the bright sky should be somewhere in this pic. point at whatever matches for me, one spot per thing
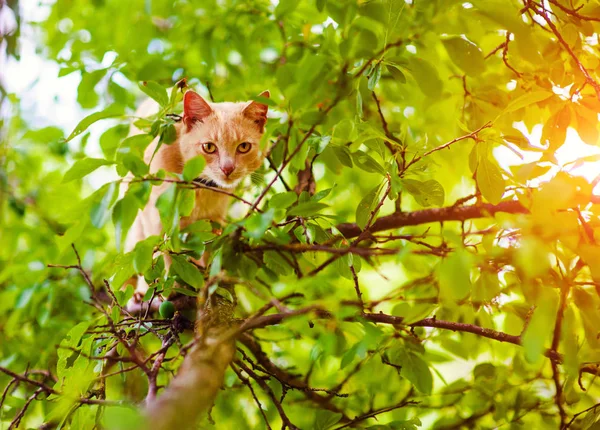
(46, 99)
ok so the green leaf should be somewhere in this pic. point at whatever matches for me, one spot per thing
(527, 99)
(25, 297)
(258, 223)
(143, 253)
(276, 263)
(167, 208)
(397, 73)
(454, 275)
(187, 271)
(124, 214)
(100, 211)
(466, 55)
(486, 288)
(490, 181)
(168, 134)
(84, 167)
(187, 201)
(535, 338)
(193, 168)
(135, 145)
(319, 143)
(413, 313)
(285, 7)
(121, 418)
(366, 205)
(325, 419)
(307, 209)
(283, 200)
(344, 156)
(428, 193)
(427, 77)
(71, 340)
(155, 91)
(321, 194)
(134, 164)
(216, 263)
(414, 368)
(367, 163)
(185, 291)
(87, 97)
(44, 135)
(110, 112)
(374, 78)
(200, 226)
(111, 139)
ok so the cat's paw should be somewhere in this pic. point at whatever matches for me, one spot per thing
(136, 305)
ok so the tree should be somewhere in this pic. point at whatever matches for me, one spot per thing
(388, 267)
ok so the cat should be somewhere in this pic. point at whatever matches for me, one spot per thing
(228, 136)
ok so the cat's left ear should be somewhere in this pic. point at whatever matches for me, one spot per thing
(257, 111)
(195, 108)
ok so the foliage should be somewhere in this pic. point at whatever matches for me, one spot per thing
(384, 267)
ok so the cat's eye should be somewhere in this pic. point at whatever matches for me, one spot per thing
(244, 147)
(209, 147)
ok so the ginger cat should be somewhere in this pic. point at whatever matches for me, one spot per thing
(228, 136)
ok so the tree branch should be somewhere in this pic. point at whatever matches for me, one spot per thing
(472, 135)
(448, 213)
(564, 43)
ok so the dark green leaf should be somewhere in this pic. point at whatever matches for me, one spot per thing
(187, 271)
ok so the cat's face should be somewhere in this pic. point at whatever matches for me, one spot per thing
(226, 134)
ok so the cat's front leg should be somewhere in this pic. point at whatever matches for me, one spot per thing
(136, 305)
(145, 225)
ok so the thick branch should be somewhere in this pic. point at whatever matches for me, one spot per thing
(449, 213)
(193, 391)
(456, 326)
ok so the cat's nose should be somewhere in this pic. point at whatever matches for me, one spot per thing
(227, 169)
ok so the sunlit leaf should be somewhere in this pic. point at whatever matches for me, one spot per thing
(110, 112)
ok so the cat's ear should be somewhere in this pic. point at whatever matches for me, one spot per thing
(195, 108)
(257, 111)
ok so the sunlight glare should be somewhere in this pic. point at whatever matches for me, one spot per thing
(574, 156)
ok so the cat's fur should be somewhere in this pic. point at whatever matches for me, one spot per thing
(226, 125)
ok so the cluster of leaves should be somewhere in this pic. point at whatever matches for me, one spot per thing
(383, 265)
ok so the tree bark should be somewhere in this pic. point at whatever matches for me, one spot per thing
(192, 392)
(449, 213)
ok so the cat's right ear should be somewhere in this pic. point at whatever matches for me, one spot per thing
(195, 108)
